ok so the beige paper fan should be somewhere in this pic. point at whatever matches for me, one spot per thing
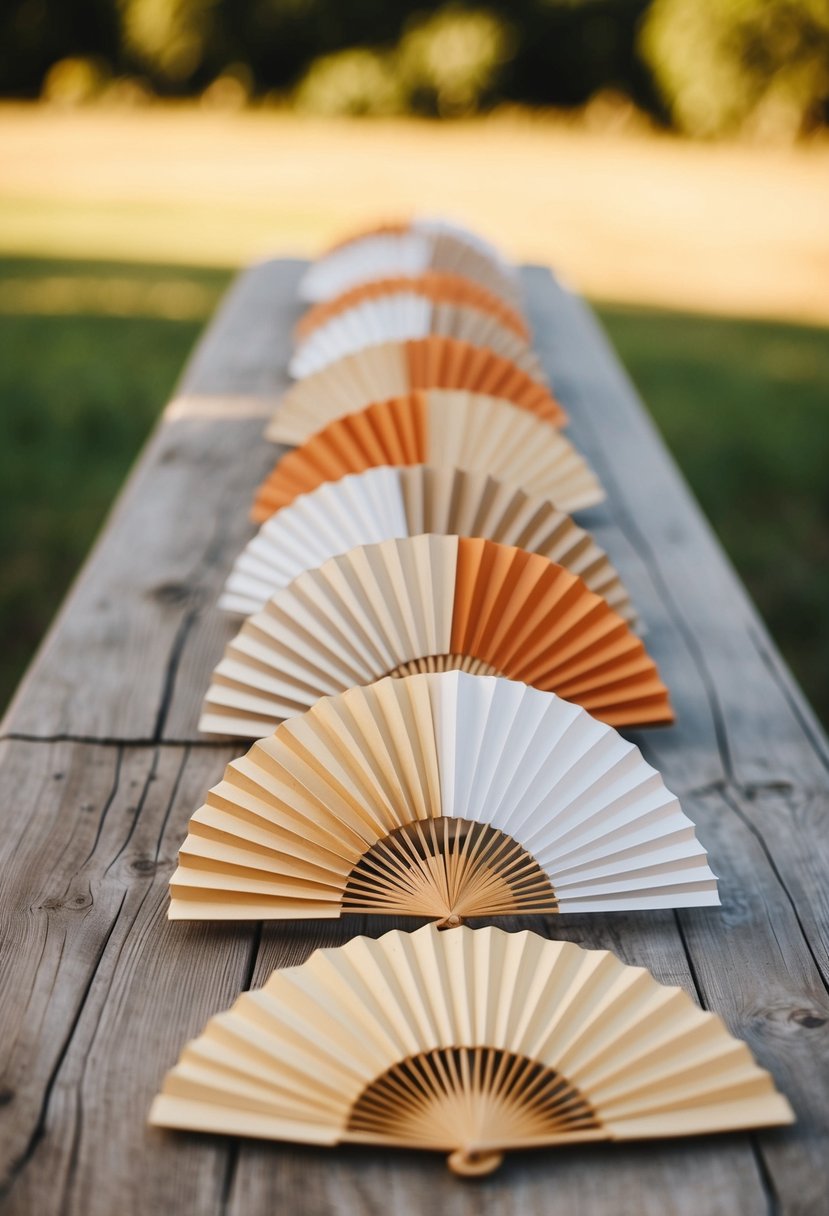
(460, 430)
(436, 286)
(413, 248)
(472, 1043)
(432, 603)
(446, 795)
(386, 502)
(393, 369)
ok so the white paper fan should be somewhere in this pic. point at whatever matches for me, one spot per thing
(445, 795)
(432, 603)
(386, 502)
(436, 286)
(468, 1042)
(401, 316)
(413, 249)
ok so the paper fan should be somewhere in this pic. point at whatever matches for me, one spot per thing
(445, 795)
(386, 502)
(473, 1042)
(433, 225)
(441, 428)
(411, 250)
(433, 285)
(392, 369)
(405, 316)
(432, 603)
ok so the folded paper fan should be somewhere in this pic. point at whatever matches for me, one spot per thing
(432, 225)
(386, 502)
(406, 316)
(392, 369)
(432, 603)
(441, 428)
(434, 285)
(410, 250)
(443, 795)
(472, 1043)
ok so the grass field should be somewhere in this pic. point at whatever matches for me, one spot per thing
(91, 349)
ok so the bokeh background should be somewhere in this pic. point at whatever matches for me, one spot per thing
(670, 158)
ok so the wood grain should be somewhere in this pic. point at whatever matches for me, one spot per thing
(102, 766)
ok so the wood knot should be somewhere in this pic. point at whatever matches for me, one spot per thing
(170, 594)
(143, 865)
(810, 1019)
(7, 1095)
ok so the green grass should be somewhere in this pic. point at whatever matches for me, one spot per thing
(744, 406)
(91, 350)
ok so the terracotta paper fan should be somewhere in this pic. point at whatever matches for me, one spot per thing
(393, 369)
(386, 502)
(446, 795)
(407, 316)
(471, 1043)
(413, 250)
(445, 428)
(432, 603)
(433, 285)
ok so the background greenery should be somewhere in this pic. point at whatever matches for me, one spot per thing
(92, 349)
(707, 67)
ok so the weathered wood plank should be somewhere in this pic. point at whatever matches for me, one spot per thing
(103, 991)
(99, 989)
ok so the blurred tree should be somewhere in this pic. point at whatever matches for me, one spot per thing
(450, 62)
(168, 37)
(357, 81)
(725, 66)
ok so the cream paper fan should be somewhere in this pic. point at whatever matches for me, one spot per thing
(396, 368)
(471, 1043)
(468, 431)
(445, 795)
(410, 250)
(401, 316)
(387, 502)
(432, 603)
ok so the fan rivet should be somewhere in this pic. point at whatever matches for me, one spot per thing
(469, 1164)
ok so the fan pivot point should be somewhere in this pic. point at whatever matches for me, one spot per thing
(450, 922)
(469, 1164)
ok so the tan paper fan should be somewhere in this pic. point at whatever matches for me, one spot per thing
(440, 428)
(405, 316)
(473, 1042)
(393, 369)
(410, 250)
(445, 795)
(434, 285)
(386, 502)
(432, 603)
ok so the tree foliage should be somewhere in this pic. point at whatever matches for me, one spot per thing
(725, 66)
(710, 67)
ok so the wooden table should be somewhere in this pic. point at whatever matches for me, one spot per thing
(102, 765)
